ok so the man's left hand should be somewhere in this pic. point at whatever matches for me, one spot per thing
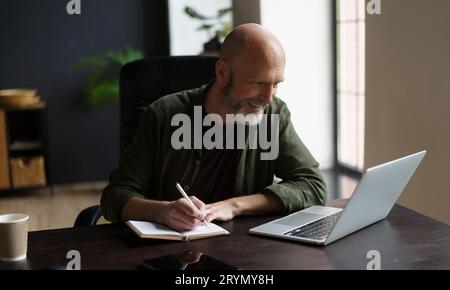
(221, 211)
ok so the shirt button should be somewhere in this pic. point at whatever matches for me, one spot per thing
(197, 162)
(186, 187)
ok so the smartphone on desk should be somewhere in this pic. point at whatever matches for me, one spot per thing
(189, 260)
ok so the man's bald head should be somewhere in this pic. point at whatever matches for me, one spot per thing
(250, 67)
(252, 41)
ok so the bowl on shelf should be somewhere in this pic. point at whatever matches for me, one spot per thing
(19, 97)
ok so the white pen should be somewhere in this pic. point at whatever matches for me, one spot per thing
(183, 193)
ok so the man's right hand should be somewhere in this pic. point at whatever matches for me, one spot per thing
(180, 215)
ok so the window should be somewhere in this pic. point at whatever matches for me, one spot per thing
(350, 37)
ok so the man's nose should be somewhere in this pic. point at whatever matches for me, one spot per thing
(268, 93)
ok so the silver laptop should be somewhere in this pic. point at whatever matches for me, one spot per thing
(372, 200)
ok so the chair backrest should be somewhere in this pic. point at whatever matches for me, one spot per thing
(88, 216)
(144, 81)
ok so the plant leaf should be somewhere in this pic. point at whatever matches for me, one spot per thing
(191, 12)
(226, 29)
(125, 56)
(102, 84)
(224, 11)
(205, 27)
(102, 93)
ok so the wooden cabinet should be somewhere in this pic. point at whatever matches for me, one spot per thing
(23, 147)
(4, 167)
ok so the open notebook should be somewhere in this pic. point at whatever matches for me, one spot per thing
(149, 230)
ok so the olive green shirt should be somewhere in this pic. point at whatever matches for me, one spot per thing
(150, 166)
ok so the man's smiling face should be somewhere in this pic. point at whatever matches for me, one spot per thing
(251, 85)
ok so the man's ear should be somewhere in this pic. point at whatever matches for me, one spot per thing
(222, 72)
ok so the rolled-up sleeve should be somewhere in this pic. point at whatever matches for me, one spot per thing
(302, 184)
(132, 177)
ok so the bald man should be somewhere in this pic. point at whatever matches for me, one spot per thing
(222, 183)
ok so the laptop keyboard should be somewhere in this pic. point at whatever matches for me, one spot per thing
(317, 230)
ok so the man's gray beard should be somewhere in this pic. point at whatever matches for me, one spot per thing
(251, 119)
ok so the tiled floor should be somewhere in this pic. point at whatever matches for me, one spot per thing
(52, 207)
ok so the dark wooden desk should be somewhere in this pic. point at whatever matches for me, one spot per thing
(406, 240)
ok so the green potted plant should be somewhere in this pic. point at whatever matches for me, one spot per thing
(102, 85)
(216, 27)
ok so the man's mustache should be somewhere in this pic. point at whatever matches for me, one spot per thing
(257, 102)
(252, 101)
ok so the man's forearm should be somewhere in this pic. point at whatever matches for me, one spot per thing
(138, 208)
(257, 204)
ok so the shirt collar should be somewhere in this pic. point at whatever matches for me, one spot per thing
(199, 96)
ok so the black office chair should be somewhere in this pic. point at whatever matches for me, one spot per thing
(144, 81)
(88, 216)
(141, 83)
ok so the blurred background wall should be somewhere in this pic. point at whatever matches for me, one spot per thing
(408, 97)
(39, 44)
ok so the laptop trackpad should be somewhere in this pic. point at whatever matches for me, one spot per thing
(299, 219)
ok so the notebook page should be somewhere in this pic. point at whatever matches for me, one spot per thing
(149, 228)
(209, 228)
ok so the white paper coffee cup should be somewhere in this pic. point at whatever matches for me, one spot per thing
(13, 237)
